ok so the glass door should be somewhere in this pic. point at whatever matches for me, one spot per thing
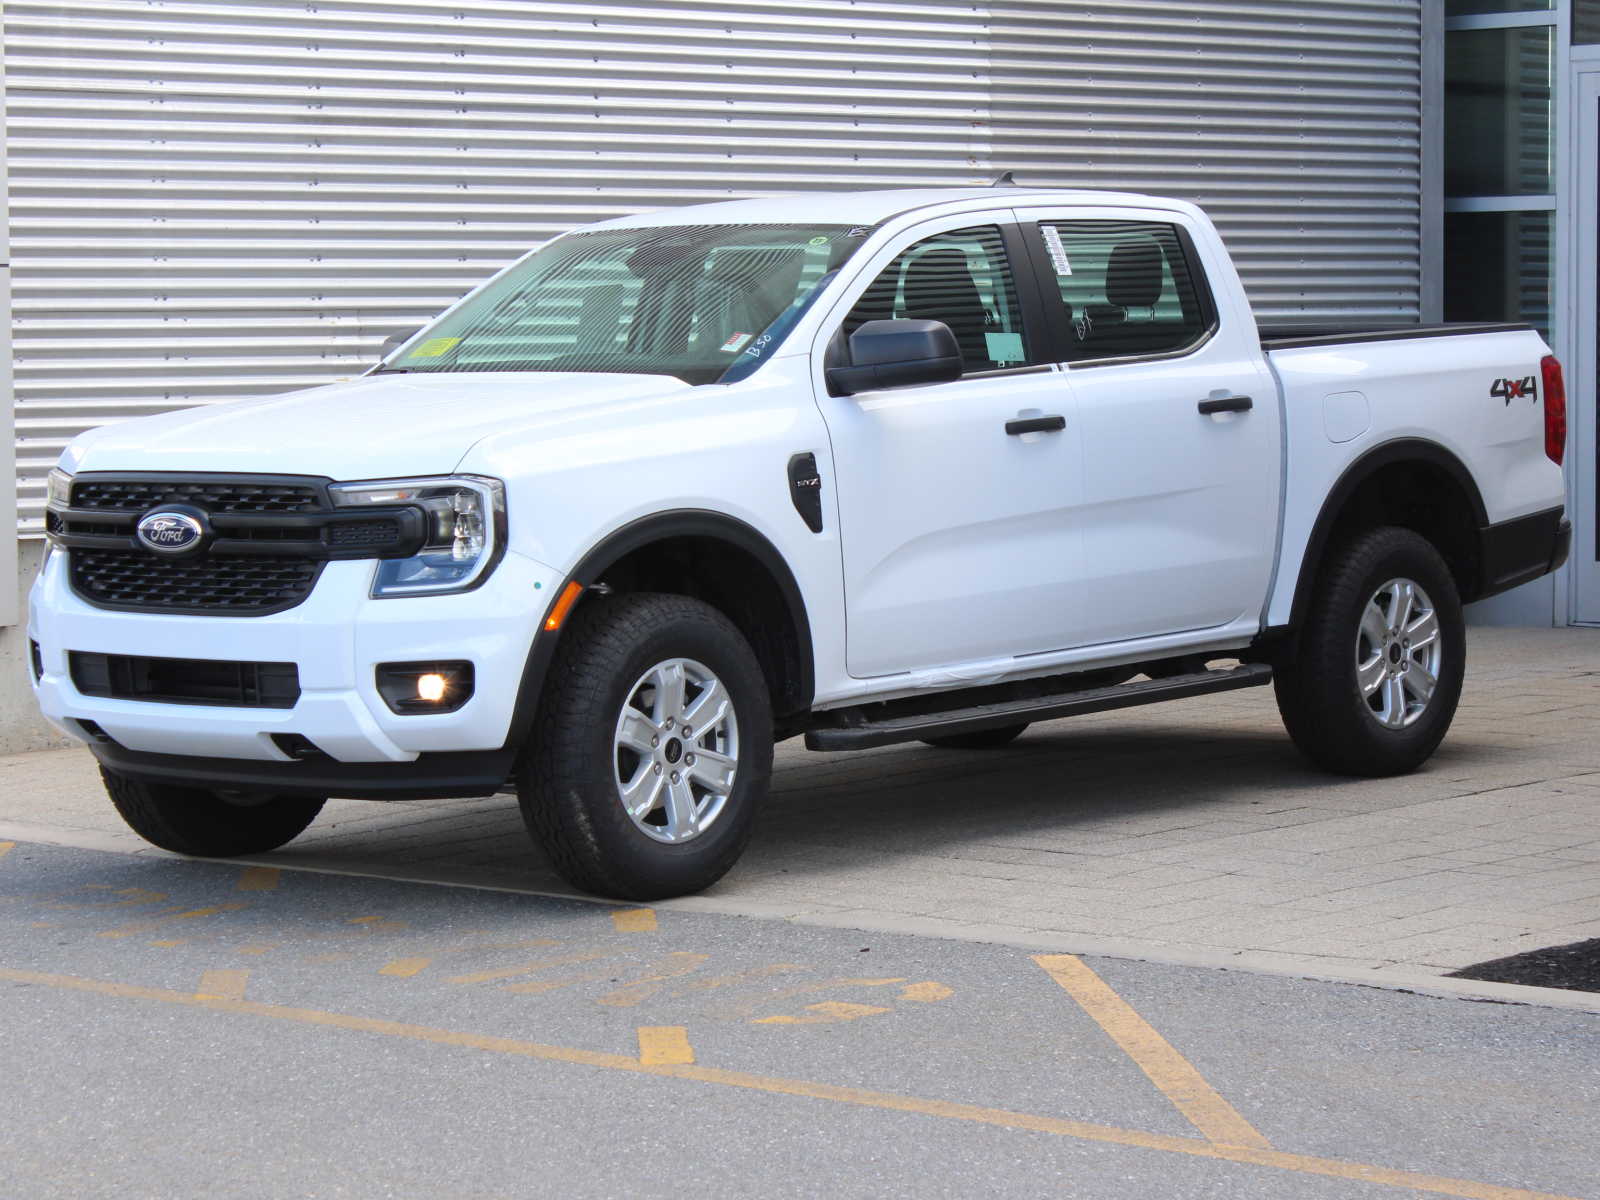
(1583, 448)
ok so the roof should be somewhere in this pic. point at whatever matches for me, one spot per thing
(859, 208)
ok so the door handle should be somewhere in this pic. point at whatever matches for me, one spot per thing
(1225, 405)
(1036, 425)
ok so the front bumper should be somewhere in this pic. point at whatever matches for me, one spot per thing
(336, 638)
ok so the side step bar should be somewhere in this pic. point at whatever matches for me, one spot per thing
(890, 730)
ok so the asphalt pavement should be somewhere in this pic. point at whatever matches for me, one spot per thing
(181, 1028)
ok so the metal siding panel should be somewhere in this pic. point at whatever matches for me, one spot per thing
(217, 199)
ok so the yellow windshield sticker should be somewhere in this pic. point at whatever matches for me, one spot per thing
(434, 347)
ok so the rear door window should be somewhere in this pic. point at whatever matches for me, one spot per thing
(1129, 289)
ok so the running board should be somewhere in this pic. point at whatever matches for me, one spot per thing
(890, 730)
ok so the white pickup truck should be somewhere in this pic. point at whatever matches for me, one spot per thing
(868, 468)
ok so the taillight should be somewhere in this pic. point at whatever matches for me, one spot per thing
(1555, 409)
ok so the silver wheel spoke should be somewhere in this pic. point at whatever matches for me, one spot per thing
(682, 822)
(635, 731)
(642, 794)
(669, 692)
(1419, 682)
(1424, 631)
(1370, 674)
(1373, 625)
(710, 707)
(713, 771)
(1394, 702)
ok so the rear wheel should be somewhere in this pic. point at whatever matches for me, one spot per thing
(984, 739)
(652, 751)
(1377, 676)
(204, 823)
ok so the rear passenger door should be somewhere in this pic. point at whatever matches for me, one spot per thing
(1179, 505)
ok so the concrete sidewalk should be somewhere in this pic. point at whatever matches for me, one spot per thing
(1190, 831)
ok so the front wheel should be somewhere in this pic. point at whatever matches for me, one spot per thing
(203, 823)
(1375, 683)
(652, 750)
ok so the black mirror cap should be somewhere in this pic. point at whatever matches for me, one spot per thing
(885, 354)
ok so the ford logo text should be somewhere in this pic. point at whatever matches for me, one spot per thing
(169, 532)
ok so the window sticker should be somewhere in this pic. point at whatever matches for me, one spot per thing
(736, 343)
(435, 347)
(1058, 252)
(1005, 347)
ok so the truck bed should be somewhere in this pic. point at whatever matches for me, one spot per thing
(1290, 337)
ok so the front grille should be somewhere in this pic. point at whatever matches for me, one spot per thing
(138, 495)
(244, 585)
(186, 680)
(266, 539)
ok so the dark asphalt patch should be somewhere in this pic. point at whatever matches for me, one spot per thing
(1575, 968)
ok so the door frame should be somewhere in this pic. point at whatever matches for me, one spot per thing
(1583, 336)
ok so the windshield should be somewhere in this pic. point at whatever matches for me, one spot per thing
(704, 303)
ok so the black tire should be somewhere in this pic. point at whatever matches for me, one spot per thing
(984, 739)
(1318, 693)
(201, 823)
(567, 777)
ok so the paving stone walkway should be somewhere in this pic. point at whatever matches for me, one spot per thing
(1186, 829)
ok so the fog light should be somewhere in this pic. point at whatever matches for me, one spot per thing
(425, 687)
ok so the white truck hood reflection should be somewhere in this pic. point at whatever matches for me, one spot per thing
(392, 425)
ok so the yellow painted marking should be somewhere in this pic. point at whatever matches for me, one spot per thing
(634, 920)
(259, 949)
(168, 945)
(1334, 1168)
(560, 960)
(1170, 1071)
(136, 897)
(405, 968)
(539, 986)
(222, 985)
(674, 965)
(362, 920)
(664, 1045)
(259, 879)
(1304, 1164)
(377, 924)
(212, 911)
(6, 848)
(925, 993)
(826, 1013)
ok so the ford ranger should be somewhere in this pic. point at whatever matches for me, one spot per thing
(864, 468)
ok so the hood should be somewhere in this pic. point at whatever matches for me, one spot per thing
(379, 426)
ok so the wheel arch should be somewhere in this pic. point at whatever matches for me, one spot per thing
(767, 604)
(1409, 482)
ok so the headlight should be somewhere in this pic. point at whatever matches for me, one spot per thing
(466, 519)
(60, 488)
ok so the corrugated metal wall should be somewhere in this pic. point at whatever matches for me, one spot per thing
(217, 199)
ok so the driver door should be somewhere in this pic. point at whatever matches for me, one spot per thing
(960, 538)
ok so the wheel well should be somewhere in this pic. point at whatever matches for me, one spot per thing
(743, 588)
(1419, 495)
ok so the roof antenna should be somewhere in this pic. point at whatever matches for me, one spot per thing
(1005, 180)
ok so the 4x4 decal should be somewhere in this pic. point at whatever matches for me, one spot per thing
(1516, 389)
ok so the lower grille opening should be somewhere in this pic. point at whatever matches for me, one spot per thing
(92, 731)
(186, 680)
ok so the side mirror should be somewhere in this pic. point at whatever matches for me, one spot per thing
(394, 341)
(885, 354)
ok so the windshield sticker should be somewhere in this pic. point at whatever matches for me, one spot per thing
(435, 348)
(819, 241)
(736, 343)
(1058, 252)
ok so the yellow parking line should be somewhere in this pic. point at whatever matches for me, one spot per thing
(222, 985)
(1170, 1071)
(634, 920)
(560, 960)
(6, 848)
(664, 1045)
(1466, 1189)
(259, 879)
(405, 968)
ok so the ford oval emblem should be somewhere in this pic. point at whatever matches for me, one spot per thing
(169, 532)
